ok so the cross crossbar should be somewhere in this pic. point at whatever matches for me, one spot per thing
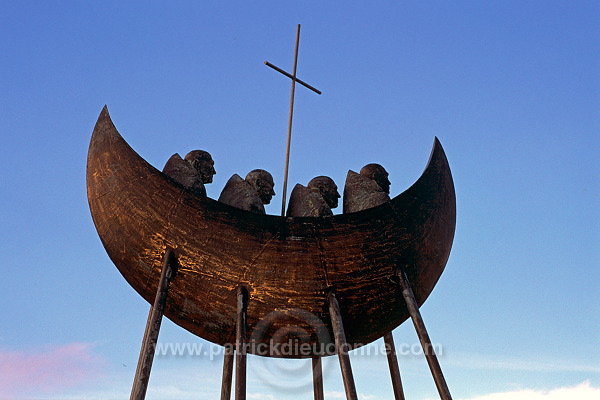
(294, 79)
(306, 85)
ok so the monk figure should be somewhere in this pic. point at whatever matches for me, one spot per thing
(369, 188)
(251, 193)
(315, 200)
(192, 172)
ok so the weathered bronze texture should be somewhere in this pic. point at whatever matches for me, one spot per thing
(341, 346)
(315, 200)
(367, 189)
(377, 173)
(251, 193)
(184, 173)
(203, 163)
(415, 314)
(390, 349)
(144, 366)
(286, 263)
(306, 203)
(192, 172)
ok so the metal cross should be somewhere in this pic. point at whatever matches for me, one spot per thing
(294, 79)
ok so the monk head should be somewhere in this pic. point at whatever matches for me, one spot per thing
(262, 182)
(203, 163)
(378, 174)
(326, 188)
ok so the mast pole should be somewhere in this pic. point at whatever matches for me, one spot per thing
(294, 79)
(289, 132)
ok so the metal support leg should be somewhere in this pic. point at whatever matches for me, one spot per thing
(227, 373)
(415, 314)
(317, 371)
(240, 343)
(390, 349)
(341, 347)
(142, 372)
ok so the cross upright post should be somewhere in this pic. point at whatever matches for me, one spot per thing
(294, 79)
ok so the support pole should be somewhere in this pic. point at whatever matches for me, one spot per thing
(341, 347)
(227, 373)
(240, 344)
(390, 349)
(317, 370)
(142, 372)
(415, 314)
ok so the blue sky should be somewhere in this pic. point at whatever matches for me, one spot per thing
(510, 88)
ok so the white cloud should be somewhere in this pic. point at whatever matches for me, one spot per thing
(342, 395)
(477, 361)
(363, 396)
(260, 396)
(335, 395)
(580, 392)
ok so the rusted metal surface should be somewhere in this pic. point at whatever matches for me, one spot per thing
(415, 314)
(287, 264)
(144, 366)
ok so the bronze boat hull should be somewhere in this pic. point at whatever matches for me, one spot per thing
(287, 264)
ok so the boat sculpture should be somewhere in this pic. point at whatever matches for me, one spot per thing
(288, 265)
